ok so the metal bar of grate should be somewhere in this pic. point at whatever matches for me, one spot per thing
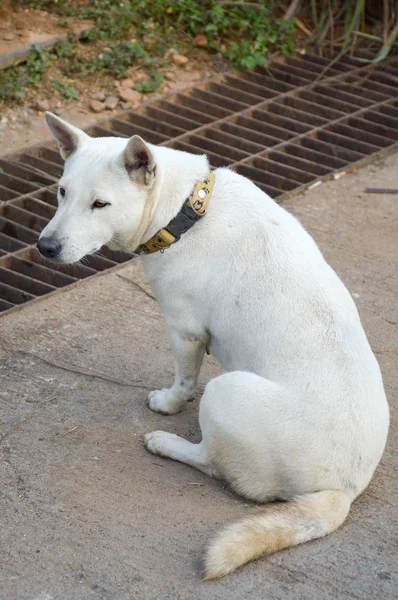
(285, 126)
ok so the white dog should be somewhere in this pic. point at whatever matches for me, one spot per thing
(300, 414)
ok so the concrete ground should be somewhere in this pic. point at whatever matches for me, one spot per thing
(87, 513)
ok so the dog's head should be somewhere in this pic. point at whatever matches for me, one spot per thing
(102, 193)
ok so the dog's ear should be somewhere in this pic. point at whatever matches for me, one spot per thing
(139, 161)
(69, 138)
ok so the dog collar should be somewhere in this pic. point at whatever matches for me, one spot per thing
(193, 209)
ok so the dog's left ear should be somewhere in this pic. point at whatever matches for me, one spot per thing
(69, 138)
(139, 161)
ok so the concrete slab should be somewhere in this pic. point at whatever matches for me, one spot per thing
(87, 513)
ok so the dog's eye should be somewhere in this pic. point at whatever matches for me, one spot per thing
(99, 204)
(62, 191)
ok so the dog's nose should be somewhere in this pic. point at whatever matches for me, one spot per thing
(49, 247)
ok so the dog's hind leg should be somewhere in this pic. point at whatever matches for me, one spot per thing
(256, 436)
(224, 410)
(172, 446)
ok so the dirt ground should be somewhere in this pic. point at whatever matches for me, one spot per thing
(25, 26)
(24, 126)
(87, 513)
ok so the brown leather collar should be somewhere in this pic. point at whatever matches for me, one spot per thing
(193, 209)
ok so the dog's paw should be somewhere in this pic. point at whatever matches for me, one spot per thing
(158, 442)
(165, 402)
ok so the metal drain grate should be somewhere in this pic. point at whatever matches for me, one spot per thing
(284, 126)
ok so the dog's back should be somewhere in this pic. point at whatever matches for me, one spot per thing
(300, 414)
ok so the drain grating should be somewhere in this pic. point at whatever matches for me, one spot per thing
(284, 126)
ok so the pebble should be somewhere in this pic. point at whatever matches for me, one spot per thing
(170, 75)
(179, 59)
(130, 96)
(97, 106)
(170, 53)
(200, 40)
(9, 37)
(111, 102)
(100, 96)
(126, 84)
(42, 105)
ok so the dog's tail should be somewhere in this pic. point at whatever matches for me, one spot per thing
(274, 528)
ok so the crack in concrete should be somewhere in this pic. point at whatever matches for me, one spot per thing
(137, 285)
(21, 485)
(78, 371)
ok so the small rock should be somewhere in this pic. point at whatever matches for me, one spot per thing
(125, 105)
(170, 75)
(100, 96)
(179, 59)
(339, 175)
(130, 96)
(9, 37)
(42, 105)
(170, 52)
(4, 121)
(126, 84)
(164, 88)
(200, 40)
(97, 106)
(111, 102)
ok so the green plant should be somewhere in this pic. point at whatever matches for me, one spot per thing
(244, 31)
(65, 21)
(134, 33)
(151, 84)
(115, 59)
(13, 81)
(66, 90)
(64, 48)
(340, 27)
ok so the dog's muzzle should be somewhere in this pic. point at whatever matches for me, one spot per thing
(49, 247)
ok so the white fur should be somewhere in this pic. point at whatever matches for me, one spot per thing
(301, 407)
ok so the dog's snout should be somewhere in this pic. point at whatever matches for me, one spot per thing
(49, 247)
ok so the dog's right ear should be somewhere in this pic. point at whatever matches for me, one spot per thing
(139, 161)
(69, 138)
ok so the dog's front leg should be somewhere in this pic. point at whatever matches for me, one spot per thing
(188, 354)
